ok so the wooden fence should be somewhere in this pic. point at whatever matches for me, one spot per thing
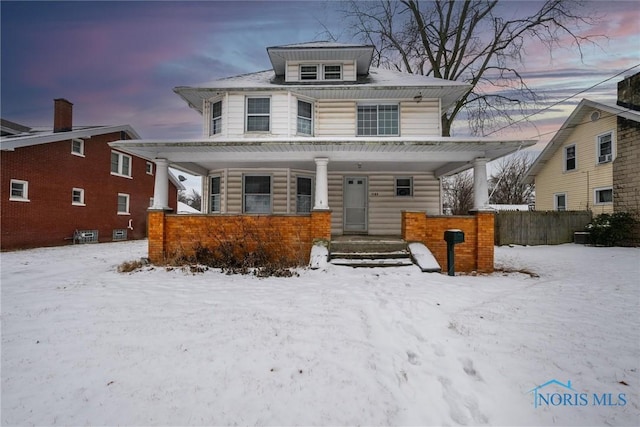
(538, 227)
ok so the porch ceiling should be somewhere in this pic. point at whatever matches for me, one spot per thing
(441, 155)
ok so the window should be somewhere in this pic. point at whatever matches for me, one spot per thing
(120, 164)
(19, 191)
(308, 72)
(377, 120)
(216, 118)
(333, 72)
(123, 204)
(305, 121)
(258, 114)
(404, 187)
(605, 148)
(560, 201)
(77, 147)
(256, 194)
(570, 158)
(303, 194)
(77, 197)
(603, 196)
(149, 168)
(215, 194)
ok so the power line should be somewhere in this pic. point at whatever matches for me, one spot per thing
(563, 100)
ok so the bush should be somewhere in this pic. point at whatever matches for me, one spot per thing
(611, 229)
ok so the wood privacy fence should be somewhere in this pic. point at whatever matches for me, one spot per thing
(538, 227)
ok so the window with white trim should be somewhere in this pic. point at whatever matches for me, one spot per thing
(569, 158)
(216, 118)
(215, 194)
(603, 196)
(149, 168)
(19, 190)
(303, 194)
(308, 72)
(378, 120)
(404, 186)
(77, 147)
(123, 204)
(305, 117)
(605, 147)
(258, 114)
(120, 164)
(256, 194)
(77, 197)
(560, 201)
(332, 72)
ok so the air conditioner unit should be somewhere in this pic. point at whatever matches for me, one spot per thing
(604, 159)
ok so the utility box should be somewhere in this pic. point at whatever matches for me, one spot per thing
(452, 237)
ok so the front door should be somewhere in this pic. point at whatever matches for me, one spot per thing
(355, 204)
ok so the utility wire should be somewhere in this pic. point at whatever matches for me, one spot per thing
(563, 100)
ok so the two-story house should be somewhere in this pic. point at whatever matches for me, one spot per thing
(324, 134)
(65, 184)
(595, 150)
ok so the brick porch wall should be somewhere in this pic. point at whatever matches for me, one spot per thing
(475, 254)
(287, 236)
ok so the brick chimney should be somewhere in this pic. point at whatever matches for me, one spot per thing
(62, 115)
(629, 92)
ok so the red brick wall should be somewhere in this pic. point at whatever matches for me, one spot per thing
(288, 236)
(475, 254)
(49, 218)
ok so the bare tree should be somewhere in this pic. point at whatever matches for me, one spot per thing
(476, 41)
(457, 191)
(506, 183)
(194, 199)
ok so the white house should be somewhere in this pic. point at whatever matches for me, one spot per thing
(323, 130)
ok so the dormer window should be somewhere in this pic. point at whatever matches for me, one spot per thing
(308, 72)
(333, 72)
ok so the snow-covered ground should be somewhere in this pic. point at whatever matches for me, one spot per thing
(84, 344)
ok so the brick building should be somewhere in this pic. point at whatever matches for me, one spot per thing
(66, 184)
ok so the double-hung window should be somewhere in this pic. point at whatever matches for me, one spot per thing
(560, 201)
(569, 158)
(215, 194)
(605, 147)
(378, 120)
(404, 187)
(256, 194)
(123, 204)
(120, 164)
(332, 72)
(216, 118)
(305, 117)
(308, 72)
(77, 147)
(77, 197)
(19, 191)
(258, 114)
(303, 194)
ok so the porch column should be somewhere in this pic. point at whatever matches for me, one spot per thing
(161, 186)
(322, 184)
(480, 184)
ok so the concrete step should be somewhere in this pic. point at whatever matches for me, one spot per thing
(371, 263)
(371, 255)
(369, 251)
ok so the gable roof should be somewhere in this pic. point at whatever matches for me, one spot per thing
(32, 137)
(576, 118)
(8, 127)
(380, 83)
(321, 51)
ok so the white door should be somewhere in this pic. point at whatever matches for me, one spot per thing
(355, 204)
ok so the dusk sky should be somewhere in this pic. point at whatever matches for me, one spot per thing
(118, 62)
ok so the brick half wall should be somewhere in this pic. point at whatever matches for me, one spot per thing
(287, 237)
(475, 254)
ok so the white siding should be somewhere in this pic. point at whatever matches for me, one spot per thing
(335, 118)
(420, 118)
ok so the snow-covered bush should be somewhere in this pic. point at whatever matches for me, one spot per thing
(611, 229)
